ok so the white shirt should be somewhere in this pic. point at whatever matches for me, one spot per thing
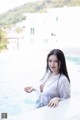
(56, 86)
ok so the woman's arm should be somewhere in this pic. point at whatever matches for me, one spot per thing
(63, 89)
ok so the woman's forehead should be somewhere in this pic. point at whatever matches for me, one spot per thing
(53, 57)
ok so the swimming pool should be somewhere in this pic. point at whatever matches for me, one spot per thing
(75, 60)
(14, 104)
(13, 76)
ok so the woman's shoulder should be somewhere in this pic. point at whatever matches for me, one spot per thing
(63, 78)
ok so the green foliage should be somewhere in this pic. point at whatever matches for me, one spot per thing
(19, 30)
(3, 46)
(12, 17)
(3, 40)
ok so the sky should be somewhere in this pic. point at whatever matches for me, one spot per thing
(6, 5)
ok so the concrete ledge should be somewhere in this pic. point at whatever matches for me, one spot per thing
(66, 110)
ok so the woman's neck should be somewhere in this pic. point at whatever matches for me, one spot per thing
(55, 73)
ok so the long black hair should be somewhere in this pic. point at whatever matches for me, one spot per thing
(60, 56)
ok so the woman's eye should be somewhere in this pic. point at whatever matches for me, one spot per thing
(56, 61)
(50, 60)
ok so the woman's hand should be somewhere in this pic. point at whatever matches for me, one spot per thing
(54, 102)
(29, 89)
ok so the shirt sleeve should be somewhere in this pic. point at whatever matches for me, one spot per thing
(64, 89)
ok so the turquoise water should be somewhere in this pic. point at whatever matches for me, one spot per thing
(14, 106)
(75, 60)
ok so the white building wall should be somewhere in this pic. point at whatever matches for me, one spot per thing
(59, 27)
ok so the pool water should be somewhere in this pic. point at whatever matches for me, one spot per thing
(16, 104)
(13, 99)
(14, 74)
(75, 60)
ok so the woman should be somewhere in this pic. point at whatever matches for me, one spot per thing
(55, 85)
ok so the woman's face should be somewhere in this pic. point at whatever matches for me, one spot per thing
(54, 64)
